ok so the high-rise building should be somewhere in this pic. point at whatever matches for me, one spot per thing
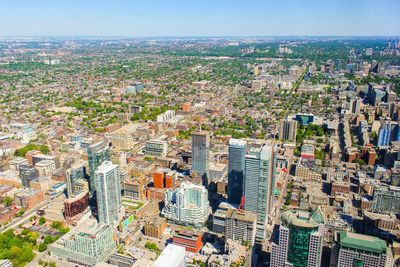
(390, 131)
(27, 173)
(73, 174)
(300, 243)
(351, 249)
(237, 152)
(201, 154)
(241, 225)
(288, 130)
(187, 205)
(258, 184)
(97, 154)
(93, 244)
(108, 192)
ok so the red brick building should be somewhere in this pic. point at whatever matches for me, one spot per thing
(188, 239)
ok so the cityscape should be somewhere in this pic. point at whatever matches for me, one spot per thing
(223, 149)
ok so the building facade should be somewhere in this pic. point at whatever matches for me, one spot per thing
(241, 225)
(258, 184)
(108, 192)
(351, 249)
(72, 175)
(237, 153)
(201, 154)
(97, 154)
(301, 237)
(156, 148)
(288, 130)
(386, 199)
(188, 239)
(187, 205)
(88, 247)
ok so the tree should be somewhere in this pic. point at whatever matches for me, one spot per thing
(7, 201)
(42, 247)
(48, 239)
(42, 220)
(56, 224)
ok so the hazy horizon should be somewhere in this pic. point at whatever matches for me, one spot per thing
(178, 18)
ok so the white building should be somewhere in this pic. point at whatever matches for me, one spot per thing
(108, 189)
(172, 256)
(187, 205)
(167, 115)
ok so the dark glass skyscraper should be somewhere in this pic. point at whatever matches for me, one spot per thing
(201, 154)
(97, 154)
(237, 152)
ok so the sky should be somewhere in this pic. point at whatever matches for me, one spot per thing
(148, 18)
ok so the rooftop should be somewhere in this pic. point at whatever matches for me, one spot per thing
(358, 241)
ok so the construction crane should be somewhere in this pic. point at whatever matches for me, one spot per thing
(241, 204)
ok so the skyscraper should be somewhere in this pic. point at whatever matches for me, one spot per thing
(108, 192)
(288, 130)
(258, 184)
(351, 249)
(97, 154)
(301, 238)
(237, 153)
(187, 205)
(201, 154)
(73, 174)
(390, 131)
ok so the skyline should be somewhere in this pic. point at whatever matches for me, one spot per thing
(206, 19)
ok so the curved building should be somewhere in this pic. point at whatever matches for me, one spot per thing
(301, 237)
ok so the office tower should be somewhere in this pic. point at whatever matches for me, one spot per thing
(237, 152)
(288, 130)
(338, 65)
(386, 199)
(241, 225)
(301, 237)
(97, 154)
(93, 244)
(389, 132)
(187, 205)
(27, 173)
(73, 174)
(108, 192)
(200, 154)
(351, 249)
(258, 185)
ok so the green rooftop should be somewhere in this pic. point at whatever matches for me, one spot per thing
(362, 242)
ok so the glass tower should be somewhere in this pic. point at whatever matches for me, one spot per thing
(201, 153)
(259, 184)
(97, 154)
(300, 239)
(237, 153)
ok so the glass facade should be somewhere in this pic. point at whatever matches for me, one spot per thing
(200, 152)
(237, 153)
(97, 154)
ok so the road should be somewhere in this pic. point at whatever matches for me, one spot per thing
(25, 217)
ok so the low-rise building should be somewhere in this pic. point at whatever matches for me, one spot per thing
(191, 240)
